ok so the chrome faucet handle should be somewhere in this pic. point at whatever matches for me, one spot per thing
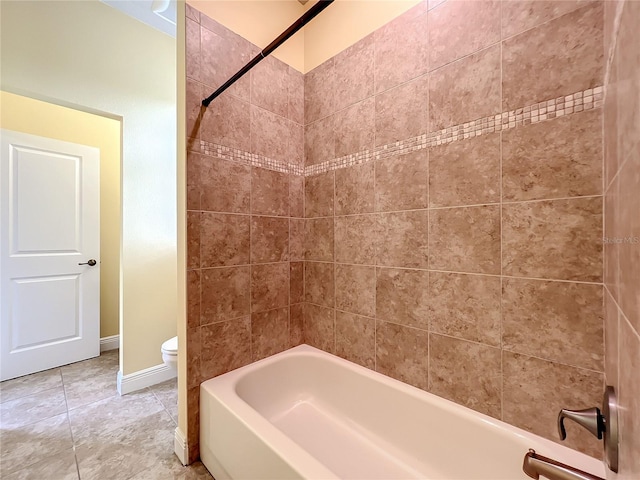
(589, 418)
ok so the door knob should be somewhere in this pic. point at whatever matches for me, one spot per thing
(91, 263)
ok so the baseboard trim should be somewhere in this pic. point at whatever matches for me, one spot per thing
(109, 343)
(180, 447)
(144, 378)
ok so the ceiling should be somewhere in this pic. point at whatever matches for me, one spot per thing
(159, 14)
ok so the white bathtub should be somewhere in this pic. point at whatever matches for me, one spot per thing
(307, 414)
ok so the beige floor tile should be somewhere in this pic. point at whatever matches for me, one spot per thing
(29, 384)
(26, 445)
(32, 408)
(61, 466)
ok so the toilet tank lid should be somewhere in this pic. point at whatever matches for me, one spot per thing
(170, 345)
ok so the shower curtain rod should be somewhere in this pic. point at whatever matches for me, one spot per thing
(283, 37)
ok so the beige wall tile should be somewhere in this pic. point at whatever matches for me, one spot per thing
(193, 53)
(269, 239)
(557, 321)
(319, 85)
(465, 90)
(401, 182)
(628, 78)
(467, 373)
(401, 240)
(318, 193)
(269, 192)
(521, 15)
(535, 390)
(356, 338)
(296, 238)
(296, 282)
(559, 239)
(270, 86)
(465, 306)
(319, 327)
(577, 35)
(318, 239)
(355, 239)
(193, 240)
(356, 289)
(225, 293)
(354, 189)
(276, 137)
(401, 112)
(225, 186)
(296, 320)
(402, 296)
(465, 239)
(354, 73)
(193, 298)
(319, 283)
(194, 372)
(401, 49)
(628, 221)
(320, 141)
(296, 195)
(611, 336)
(355, 127)
(224, 239)
(459, 28)
(561, 158)
(465, 172)
(269, 286)
(227, 123)
(225, 346)
(402, 353)
(194, 162)
(295, 109)
(269, 333)
(215, 69)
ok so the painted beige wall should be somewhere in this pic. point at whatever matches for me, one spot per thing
(339, 26)
(90, 55)
(44, 119)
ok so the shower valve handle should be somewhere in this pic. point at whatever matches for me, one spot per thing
(590, 418)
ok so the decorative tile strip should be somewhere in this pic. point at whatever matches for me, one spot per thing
(537, 112)
(247, 158)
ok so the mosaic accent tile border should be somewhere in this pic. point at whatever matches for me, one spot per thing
(247, 158)
(534, 113)
(537, 112)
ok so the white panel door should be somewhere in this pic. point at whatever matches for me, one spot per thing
(49, 253)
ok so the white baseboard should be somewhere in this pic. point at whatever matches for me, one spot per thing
(144, 378)
(180, 446)
(109, 343)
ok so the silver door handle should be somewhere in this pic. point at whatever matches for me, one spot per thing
(91, 263)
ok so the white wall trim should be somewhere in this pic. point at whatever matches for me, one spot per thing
(180, 447)
(144, 378)
(109, 343)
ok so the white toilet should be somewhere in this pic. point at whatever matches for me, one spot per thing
(169, 351)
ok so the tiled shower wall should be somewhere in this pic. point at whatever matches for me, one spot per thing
(622, 223)
(245, 208)
(468, 265)
(453, 204)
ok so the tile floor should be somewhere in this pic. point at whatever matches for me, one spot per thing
(70, 423)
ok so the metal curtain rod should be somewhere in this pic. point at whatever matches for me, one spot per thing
(283, 37)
